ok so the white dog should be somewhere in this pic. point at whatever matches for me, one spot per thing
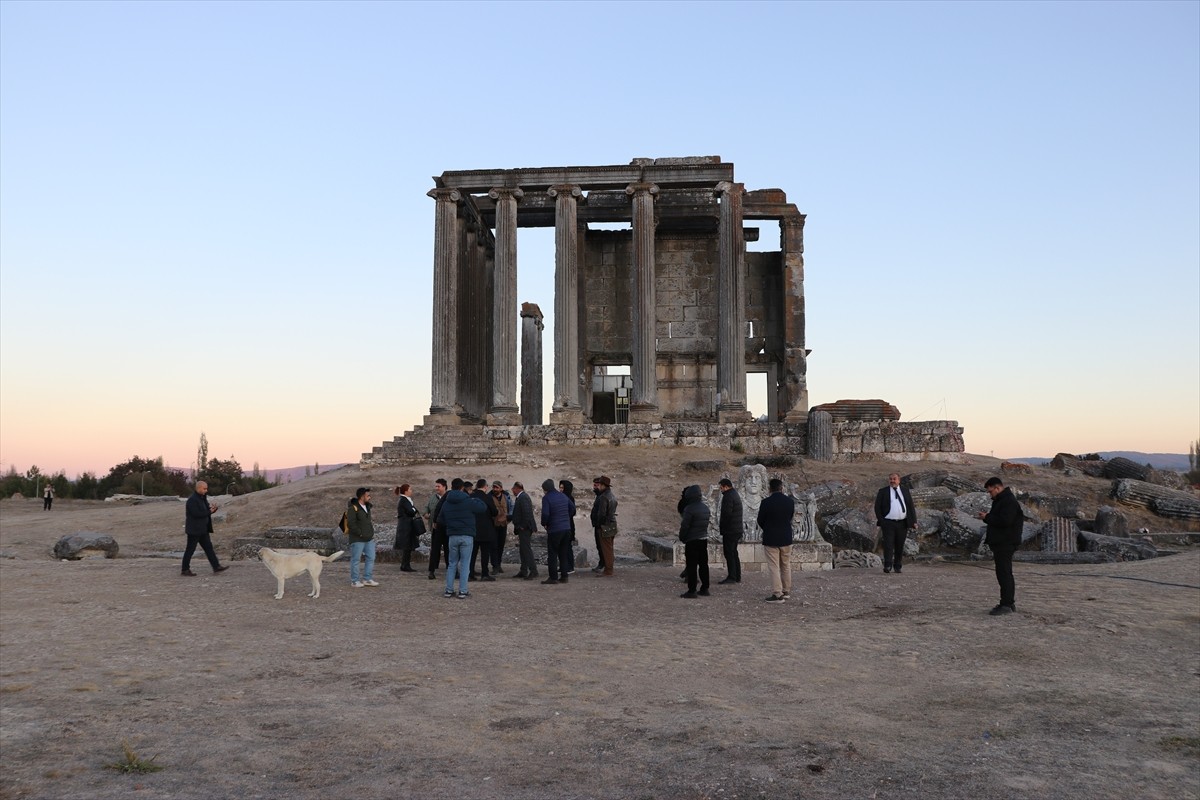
(289, 565)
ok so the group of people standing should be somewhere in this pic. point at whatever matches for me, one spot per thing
(774, 517)
(468, 525)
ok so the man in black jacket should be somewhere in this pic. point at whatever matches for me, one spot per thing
(1004, 524)
(775, 518)
(730, 524)
(524, 524)
(197, 525)
(485, 531)
(894, 514)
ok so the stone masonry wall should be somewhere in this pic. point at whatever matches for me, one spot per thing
(939, 440)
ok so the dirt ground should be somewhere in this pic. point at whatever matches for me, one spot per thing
(864, 686)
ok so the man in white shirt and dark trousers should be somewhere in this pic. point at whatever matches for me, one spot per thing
(894, 514)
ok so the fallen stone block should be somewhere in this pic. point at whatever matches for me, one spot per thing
(75, 546)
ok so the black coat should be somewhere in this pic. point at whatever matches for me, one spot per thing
(405, 512)
(883, 504)
(775, 518)
(693, 520)
(198, 519)
(522, 516)
(485, 527)
(1005, 521)
(730, 521)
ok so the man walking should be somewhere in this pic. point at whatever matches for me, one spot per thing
(557, 512)
(362, 538)
(604, 523)
(730, 525)
(1004, 524)
(894, 514)
(523, 526)
(197, 524)
(775, 519)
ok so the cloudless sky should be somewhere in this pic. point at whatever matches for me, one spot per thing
(213, 215)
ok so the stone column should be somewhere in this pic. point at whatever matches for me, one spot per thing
(443, 407)
(794, 380)
(731, 306)
(502, 404)
(643, 406)
(567, 408)
(531, 364)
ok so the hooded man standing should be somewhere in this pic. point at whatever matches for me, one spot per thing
(1004, 524)
(557, 512)
(693, 532)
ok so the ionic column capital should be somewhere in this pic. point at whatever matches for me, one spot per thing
(565, 189)
(635, 189)
(503, 191)
(448, 195)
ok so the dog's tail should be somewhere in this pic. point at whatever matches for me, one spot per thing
(335, 556)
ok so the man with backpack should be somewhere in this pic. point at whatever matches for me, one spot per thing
(361, 532)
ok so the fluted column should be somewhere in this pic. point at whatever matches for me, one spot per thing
(731, 306)
(567, 407)
(502, 404)
(794, 377)
(643, 406)
(442, 407)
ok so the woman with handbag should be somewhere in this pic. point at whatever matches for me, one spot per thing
(409, 527)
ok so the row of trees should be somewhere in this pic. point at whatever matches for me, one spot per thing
(141, 476)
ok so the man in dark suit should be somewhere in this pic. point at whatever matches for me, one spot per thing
(1004, 525)
(730, 525)
(894, 514)
(197, 524)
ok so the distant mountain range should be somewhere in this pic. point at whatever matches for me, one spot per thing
(289, 474)
(1172, 461)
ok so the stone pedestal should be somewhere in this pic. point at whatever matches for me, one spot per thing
(567, 417)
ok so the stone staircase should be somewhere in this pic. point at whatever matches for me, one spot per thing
(465, 444)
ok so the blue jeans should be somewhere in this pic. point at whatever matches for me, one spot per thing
(460, 562)
(357, 550)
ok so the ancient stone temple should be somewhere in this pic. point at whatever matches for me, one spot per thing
(660, 312)
(674, 299)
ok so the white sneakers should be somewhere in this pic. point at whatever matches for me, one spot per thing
(370, 583)
(356, 585)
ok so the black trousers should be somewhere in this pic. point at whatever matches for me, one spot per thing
(528, 561)
(205, 542)
(895, 531)
(438, 544)
(695, 555)
(558, 549)
(1003, 556)
(733, 562)
(600, 552)
(486, 549)
(498, 547)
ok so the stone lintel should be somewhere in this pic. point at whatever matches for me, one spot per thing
(602, 177)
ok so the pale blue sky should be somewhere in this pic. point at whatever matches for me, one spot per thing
(213, 215)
